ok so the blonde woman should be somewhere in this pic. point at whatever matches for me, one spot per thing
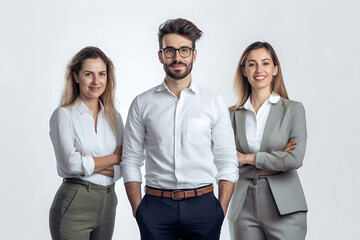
(270, 133)
(86, 132)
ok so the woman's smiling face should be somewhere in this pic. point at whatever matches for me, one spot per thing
(92, 79)
(259, 69)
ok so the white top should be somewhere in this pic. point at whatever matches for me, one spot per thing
(72, 132)
(255, 123)
(183, 138)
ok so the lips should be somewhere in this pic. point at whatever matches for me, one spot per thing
(95, 89)
(259, 78)
(177, 65)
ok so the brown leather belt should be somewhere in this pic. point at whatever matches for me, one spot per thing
(179, 194)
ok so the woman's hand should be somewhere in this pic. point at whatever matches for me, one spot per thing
(265, 172)
(107, 172)
(288, 148)
(106, 162)
(246, 158)
(291, 145)
(118, 153)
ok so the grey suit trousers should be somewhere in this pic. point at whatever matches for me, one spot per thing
(259, 219)
(83, 211)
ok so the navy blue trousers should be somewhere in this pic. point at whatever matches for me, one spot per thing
(197, 218)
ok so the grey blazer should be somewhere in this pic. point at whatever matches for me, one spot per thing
(286, 120)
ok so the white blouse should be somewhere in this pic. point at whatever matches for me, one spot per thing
(72, 132)
(255, 123)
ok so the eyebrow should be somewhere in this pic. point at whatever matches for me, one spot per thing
(261, 60)
(92, 71)
(177, 48)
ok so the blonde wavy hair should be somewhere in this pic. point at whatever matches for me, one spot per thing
(241, 83)
(71, 90)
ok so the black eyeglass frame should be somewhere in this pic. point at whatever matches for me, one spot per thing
(177, 49)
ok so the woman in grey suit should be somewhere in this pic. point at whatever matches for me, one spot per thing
(270, 134)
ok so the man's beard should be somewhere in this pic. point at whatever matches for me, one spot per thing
(177, 74)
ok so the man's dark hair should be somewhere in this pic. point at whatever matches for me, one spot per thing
(179, 26)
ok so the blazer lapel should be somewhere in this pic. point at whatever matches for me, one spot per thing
(274, 114)
(240, 122)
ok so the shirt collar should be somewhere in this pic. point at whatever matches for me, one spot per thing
(274, 98)
(247, 105)
(162, 87)
(80, 105)
(193, 87)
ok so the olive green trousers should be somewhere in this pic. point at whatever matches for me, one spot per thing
(83, 211)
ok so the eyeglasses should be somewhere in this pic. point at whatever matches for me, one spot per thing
(183, 51)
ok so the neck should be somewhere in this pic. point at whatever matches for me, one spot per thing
(258, 97)
(92, 104)
(177, 85)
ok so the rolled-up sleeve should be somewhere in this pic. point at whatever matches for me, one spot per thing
(133, 145)
(69, 159)
(117, 173)
(224, 150)
(284, 161)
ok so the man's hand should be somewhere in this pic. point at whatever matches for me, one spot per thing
(133, 191)
(226, 189)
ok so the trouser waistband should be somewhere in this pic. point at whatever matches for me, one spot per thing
(179, 194)
(89, 185)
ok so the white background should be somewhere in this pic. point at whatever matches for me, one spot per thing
(317, 43)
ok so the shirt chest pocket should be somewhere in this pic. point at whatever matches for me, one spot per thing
(199, 131)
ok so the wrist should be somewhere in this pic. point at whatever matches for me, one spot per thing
(251, 158)
(114, 159)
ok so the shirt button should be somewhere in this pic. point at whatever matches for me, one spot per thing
(254, 182)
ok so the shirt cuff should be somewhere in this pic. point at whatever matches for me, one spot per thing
(117, 173)
(88, 165)
(261, 160)
(230, 176)
(131, 175)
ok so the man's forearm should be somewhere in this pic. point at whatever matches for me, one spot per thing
(226, 189)
(133, 191)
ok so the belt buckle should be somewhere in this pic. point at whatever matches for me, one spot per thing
(172, 195)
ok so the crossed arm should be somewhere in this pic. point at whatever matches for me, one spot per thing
(251, 158)
(74, 163)
(105, 165)
(281, 161)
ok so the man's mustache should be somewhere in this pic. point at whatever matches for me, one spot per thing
(176, 63)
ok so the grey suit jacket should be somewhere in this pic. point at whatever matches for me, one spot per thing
(286, 120)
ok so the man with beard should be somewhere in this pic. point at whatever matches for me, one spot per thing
(185, 131)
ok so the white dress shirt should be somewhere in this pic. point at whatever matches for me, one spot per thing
(255, 123)
(72, 132)
(183, 138)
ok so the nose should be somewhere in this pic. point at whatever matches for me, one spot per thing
(259, 68)
(177, 55)
(95, 79)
